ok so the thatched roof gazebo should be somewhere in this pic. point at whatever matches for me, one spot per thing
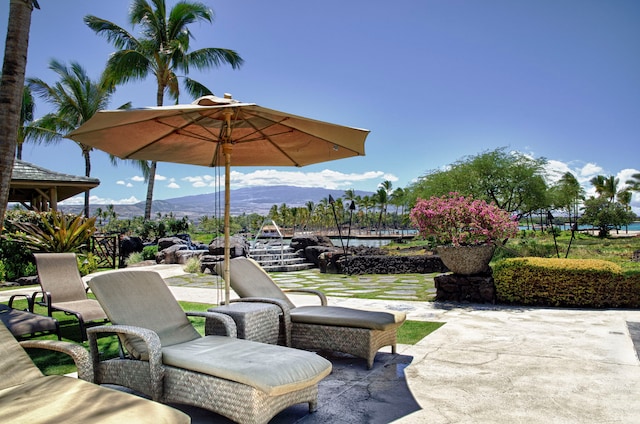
(40, 189)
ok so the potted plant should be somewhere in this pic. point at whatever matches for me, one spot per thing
(465, 230)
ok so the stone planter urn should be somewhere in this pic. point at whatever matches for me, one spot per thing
(467, 260)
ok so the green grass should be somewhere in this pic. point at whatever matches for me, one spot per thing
(411, 332)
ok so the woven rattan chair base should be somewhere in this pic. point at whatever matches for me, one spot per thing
(360, 342)
(238, 402)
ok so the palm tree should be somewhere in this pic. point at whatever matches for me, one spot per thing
(11, 86)
(569, 193)
(26, 117)
(163, 51)
(75, 98)
(598, 183)
(611, 187)
(634, 182)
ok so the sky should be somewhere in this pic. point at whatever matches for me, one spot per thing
(434, 81)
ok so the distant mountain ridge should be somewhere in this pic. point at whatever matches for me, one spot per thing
(243, 200)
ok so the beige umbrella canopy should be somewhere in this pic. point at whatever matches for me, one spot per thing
(214, 131)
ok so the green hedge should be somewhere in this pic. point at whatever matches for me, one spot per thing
(565, 282)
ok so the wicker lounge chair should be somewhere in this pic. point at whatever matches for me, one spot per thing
(63, 289)
(357, 332)
(246, 381)
(27, 396)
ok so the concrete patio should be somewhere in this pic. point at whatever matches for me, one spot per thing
(487, 364)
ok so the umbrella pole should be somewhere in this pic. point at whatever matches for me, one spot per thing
(226, 149)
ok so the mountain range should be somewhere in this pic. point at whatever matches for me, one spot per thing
(243, 201)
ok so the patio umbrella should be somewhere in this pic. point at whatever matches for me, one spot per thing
(215, 131)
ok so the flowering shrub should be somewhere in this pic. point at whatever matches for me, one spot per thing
(457, 220)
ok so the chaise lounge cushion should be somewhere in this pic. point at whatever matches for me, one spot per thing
(59, 399)
(346, 317)
(274, 370)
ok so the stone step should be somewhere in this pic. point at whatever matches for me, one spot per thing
(277, 261)
(270, 257)
(271, 251)
(288, 268)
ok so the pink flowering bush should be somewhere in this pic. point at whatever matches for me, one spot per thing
(462, 221)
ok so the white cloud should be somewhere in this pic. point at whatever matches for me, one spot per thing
(120, 182)
(137, 178)
(172, 183)
(270, 177)
(590, 170)
(160, 177)
(96, 200)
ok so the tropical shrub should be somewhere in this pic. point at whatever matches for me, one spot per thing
(462, 221)
(54, 233)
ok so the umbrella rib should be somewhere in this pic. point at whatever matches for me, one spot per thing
(245, 139)
(175, 130)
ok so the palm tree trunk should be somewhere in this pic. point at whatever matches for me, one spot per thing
(150, 182)
(13, 70)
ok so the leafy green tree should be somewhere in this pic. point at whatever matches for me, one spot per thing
(75, 98)
(163, 51)
(513, 181)
(605, 215)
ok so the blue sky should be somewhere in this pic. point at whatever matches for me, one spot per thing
(434, 81)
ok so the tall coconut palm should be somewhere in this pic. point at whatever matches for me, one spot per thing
(634, 182)
(598, 183)
(11, 85)
(163, 51)
(75, 98)
(26, 117)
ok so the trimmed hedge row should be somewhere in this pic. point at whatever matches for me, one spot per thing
(565, 282)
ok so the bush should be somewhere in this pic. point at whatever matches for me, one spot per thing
(193, 265)
(565, 282)
(3, 273)
(88, 263)
(134, 258)
(149, 252)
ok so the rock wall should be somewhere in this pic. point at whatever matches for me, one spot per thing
(478, 288)
(337, 263)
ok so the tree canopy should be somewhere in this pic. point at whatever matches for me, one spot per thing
(513, 181)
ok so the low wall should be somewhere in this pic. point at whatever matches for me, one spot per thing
(380, 264)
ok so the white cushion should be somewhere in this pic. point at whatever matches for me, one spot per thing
(274, 370)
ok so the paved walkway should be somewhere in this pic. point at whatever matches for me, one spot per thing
(496, 364)
(487, 364)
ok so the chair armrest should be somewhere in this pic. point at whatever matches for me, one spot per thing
(45, 301)
(323, 298)
(284, 307)
(27, 297)
(77, 352)
(228, 322)
(154, 349)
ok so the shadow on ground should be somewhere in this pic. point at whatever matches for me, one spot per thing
(350, 394)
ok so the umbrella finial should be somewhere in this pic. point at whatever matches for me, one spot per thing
(228, 96)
